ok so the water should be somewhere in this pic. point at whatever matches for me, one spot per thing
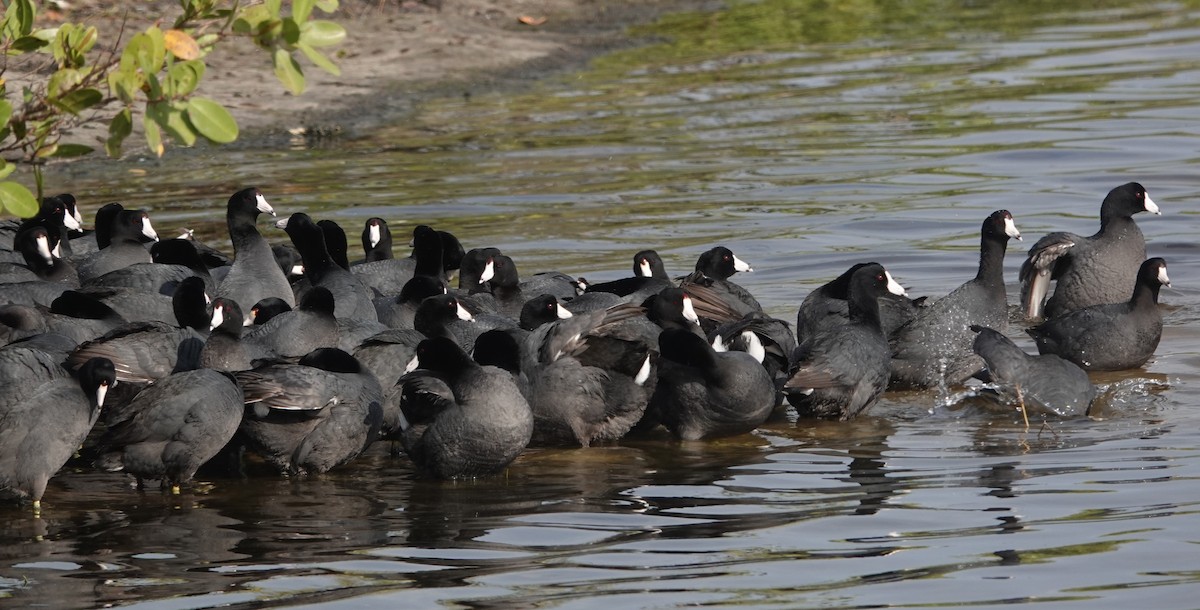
(806, 137)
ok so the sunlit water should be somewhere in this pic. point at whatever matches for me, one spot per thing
(805, 139)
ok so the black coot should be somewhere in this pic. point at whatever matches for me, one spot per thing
(839, 372)
(461, 419)
(1045, 384)
(1110, 337)
(1089, 270)
(934, 349)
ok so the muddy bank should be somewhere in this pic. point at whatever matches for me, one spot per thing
(398, 53)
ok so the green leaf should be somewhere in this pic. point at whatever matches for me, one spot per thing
(321, 33)
(288, 71)
(124, 85)
(153, 135)
(71, 44)
(6, 169)
(79, 100)
(18, 200)
(45, 34)
(212, 120)
(18, 19)
(301, 9)
(26, 44)
(206, 42)
(62, 81)
(327, 6)
(153, 87)
(170, 118)
(319, 60)
(291, 31)
(145, 51)
(273, 7)
(119, 129)
(5, 112)
(66, 151)
(185, 76)
(61, 48)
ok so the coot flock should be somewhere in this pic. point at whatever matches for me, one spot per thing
(157, 357)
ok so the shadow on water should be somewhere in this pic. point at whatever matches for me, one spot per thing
(806, 136)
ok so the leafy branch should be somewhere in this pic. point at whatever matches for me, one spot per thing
(153, 75)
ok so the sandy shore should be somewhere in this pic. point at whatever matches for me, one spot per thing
(399, 52)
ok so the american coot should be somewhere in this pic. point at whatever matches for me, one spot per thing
(503, 293)
(173, 261)
(702, 393)
(389, 275)
(714, 267)
(134, 305)
(475, 269)
(461, 419)
(555, 283)
(586, 380)
(266, 309)
(673, 308)
(769, 340)
(254, 274)
(292, 334)
(54, 216)
(288, 260)
(129, 230)
(74, 314)
(1110, 337)
(190, 303)
(399, 311)
(839, 372)
(173, 427)
(353, 299)
(335, 242)
(44, 425)
(649, 278)
(1089, 270)
(826, 307)
(101, 236)
(1043, 384)
(223, 349)
(541, 310)
(312, 416)
(441, 316)
(34, 245)
(444, 316)
(145, 351)
(499, 348)
(934, 349)
(211, 257)
(376, 240)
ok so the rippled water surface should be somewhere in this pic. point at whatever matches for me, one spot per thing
(806, 136)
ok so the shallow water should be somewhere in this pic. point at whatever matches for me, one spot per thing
(805, 140)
